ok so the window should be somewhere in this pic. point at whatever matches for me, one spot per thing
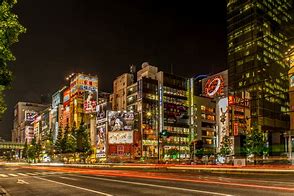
(120, 150)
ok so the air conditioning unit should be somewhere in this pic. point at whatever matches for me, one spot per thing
(239, 162)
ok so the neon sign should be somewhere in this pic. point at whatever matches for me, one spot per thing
(214, 86)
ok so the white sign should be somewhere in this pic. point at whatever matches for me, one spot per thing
(120, 137)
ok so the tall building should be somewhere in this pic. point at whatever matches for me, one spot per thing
(24, 115)
(256, 60)
(120, 85)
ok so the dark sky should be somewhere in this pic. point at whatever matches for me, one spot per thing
(103, 37)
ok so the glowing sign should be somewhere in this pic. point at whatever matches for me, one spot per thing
(121, 121)
(120, 137)
(66, 96)
(30, 116)
(292, 81)
(214, 86)
(90, 101)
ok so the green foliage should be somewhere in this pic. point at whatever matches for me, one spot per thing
(60, 142)
(225, 148)
(256, 143)
(70, 141)
(34, 150)
(83, 143)
(10, 29)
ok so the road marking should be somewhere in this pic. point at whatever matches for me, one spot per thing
(14, 175)
(68, 178)
(22, 174)
(3, 175)
(19, 181)
(77, 187)
(32, 174)
(155, 185)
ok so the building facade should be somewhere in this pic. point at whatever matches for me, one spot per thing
(24, 115)
(256, 45)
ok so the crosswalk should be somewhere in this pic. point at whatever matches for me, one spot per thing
(7, 175)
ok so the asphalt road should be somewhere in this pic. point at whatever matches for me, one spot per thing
(71, 181)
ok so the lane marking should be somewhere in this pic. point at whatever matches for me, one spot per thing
(19, 181)
(68, 178)
(3, 175)
(14, 175)
(32, 174)
(77, 187)
(155, 185)
(22, 174)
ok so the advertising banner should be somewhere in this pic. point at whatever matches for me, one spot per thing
(90, 101)
(56, 99)
(101, 141)
(120, 137)
(30, 115)
(66, 96)
(122, 121)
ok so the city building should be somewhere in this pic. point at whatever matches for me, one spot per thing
(256, 61)
(174, 117)
(205, 123)
(24, 115)
(120, 85)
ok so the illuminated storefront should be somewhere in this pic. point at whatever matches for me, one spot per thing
(122, 136)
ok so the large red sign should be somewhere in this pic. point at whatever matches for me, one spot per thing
(214, 86)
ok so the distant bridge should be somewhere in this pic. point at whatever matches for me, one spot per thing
(11, 146)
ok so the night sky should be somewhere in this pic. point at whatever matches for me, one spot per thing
(103, 37)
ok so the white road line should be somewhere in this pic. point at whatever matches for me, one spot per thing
(3, 175)
(32, 174)
(14, 175)
(155, 185)
(68, 178)
(77, 187)
(22, 174)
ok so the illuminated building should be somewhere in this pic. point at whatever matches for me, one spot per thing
(42, 126)
(148, 109)
(24, 115)
(56, 112)
(205, 122)
(122, 136)
(257, 64)
(173, 111)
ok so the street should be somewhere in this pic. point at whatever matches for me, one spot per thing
(16, 180)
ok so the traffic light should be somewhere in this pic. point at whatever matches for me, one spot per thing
(164, 133)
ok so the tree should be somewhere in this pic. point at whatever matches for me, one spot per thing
(256, 143)
(60, 142)
(10, 30)
(199, 148)
(225, 147)
(70, 141)
(83, 143)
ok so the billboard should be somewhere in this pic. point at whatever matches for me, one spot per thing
(215, 85)
(83, 82)
(66, 96)
(90, 101)
(120, 137)
(30, 115)
(122, 121)
(56, 99)
(175, 114)
(101, 141)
